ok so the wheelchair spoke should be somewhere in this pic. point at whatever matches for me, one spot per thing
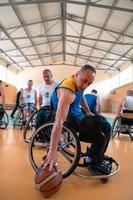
(68, 149)
(66, 155)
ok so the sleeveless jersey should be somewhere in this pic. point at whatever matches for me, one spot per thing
(29, 96)
(74, 109)
(46, 92)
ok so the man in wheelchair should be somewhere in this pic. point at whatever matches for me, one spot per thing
(45, 93)
(125, 111)
(92, 128)
(28, 100)
(2, 102)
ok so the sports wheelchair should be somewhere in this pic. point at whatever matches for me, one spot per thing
(5, 119)
(70, 155)
(123, 124)
(32, 124)
(18, 122)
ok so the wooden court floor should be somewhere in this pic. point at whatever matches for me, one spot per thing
(16, 173)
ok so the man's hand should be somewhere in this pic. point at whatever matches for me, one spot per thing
(51, 160)
(90, 113)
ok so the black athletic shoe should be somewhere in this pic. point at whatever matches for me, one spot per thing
(101, 168)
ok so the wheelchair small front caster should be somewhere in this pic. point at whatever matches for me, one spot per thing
(104, 180)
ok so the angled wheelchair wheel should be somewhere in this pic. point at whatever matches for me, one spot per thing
(115, 128)
(4, 121)
(30, 127)
(68, 148)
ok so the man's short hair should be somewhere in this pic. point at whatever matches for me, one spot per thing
(94, 91)
(86, 67)
(30, 80)
(46, 71)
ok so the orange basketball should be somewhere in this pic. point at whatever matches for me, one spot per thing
(48, 182)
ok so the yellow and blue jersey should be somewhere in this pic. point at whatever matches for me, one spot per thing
(74, 109)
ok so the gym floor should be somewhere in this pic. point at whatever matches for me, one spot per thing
(16, 178)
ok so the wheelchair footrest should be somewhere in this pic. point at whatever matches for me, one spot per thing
(110, 166)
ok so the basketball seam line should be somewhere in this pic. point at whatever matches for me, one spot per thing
(39, 185)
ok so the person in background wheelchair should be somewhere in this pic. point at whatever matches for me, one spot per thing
(66, 101)
(124, 114)
(17, 104)
(126, 104)
(28, 100)
(45, 93)
(93, 101)
(2, 102)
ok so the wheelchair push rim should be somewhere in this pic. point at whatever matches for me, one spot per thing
(68, 149)
(5, 121)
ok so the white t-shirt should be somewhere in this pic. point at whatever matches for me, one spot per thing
(46, 92)
(128, 103)
(29, 96)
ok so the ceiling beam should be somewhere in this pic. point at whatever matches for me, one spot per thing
(96, 26)
(32, 23)
(17, 13)
(35, 36)
(82, 55)
(104, 25)
(124, 30)
(63, 22)
(10, 59)
(36, 44)
(67, 64)
(93, 61)
(81, 32)
(97, 48)
(69, 18)
(50, 50)
(14, 43)
(28, 2)
(119, 59)
(100, 6)
(46, 55)
(71, 36)
(92, 4)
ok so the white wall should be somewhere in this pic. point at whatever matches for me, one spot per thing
(7, 75)
(59, 73)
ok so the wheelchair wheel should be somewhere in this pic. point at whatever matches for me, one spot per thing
(30, 127)
(115, 127)
(68, 148)
(5, 121)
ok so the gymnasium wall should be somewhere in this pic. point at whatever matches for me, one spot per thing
(102, 84)
(116, 96)
(10, 93)
(59, 73)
